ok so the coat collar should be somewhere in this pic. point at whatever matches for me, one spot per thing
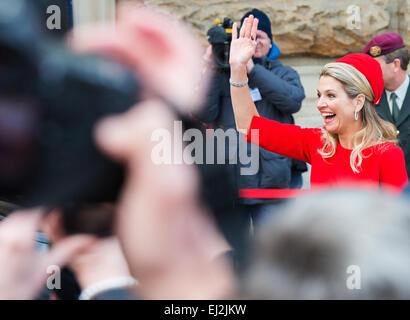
(267, 63)
(383, 108)
(405, 109)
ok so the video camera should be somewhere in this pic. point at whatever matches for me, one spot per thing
(220, 37)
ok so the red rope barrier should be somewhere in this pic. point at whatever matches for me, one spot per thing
(271, 193)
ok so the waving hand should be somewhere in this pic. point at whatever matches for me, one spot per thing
(243, 46)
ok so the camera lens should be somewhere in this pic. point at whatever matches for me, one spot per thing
(221, 54)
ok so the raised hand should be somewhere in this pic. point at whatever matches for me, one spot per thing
(242, 50)
(243, 46)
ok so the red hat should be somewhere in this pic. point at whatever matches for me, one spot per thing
(370, 68)
(384, 44)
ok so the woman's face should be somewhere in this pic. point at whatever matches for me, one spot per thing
(335, 106)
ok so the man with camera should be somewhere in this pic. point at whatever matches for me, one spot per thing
(277, 93)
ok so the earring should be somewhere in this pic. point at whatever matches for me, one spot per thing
(356, 115)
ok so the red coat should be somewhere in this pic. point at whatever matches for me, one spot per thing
(382, 164)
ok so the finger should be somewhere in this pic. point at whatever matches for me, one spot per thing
(129, 135)
(249, 27)
(234, 31)
(62, 251)
(119, 136)
(125, 7)
(167, 68)
(21, 225)
(254, 29)
(112, 135)
(243, 27)
(207, 57)
(105, 41)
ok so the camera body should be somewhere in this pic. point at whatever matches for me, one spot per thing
(50, 100)
(220, 37)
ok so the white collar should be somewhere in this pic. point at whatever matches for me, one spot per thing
(400, 91)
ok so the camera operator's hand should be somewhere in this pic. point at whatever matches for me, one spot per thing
(243, 46)
(163, 52)
(169, 241)
(207, 59)
(24, 269)
(249, 66)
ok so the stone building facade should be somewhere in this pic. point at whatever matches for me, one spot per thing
(318, 28)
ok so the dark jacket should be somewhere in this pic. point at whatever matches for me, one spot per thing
(282, 94)
(402, 124)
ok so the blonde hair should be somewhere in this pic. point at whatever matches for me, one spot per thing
(374, 130)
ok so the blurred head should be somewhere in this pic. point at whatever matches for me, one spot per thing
(343, 91)
(339, 244)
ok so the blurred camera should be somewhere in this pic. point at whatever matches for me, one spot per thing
(50, 101)
(220, 37)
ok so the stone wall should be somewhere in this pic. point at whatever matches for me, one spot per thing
(318, 28)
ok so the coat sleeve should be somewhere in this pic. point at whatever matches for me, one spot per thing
(282, 89)
(286, 139)
(393, 173)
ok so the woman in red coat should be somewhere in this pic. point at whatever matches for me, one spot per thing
(355, 145)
